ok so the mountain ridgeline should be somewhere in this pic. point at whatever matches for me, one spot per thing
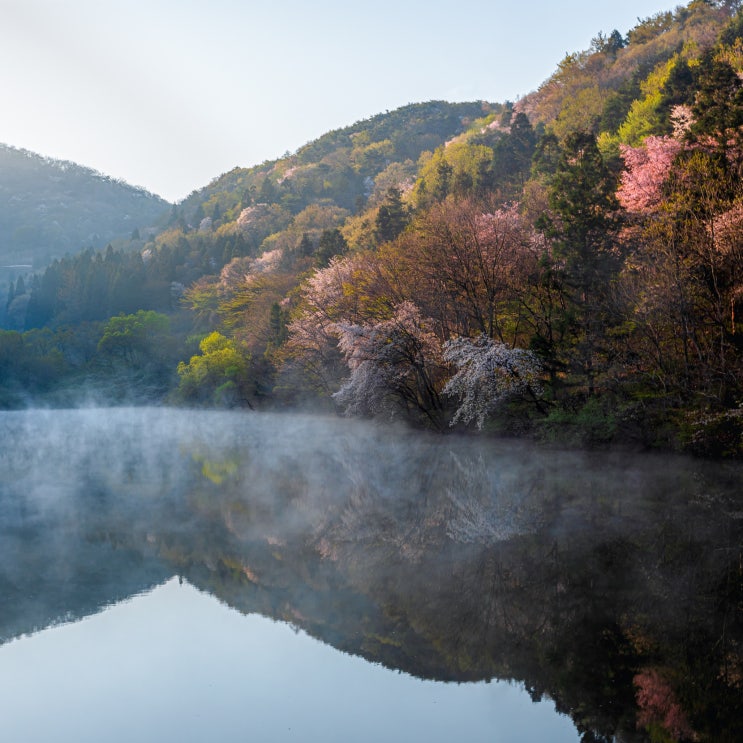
(51, 207)
(569, 266)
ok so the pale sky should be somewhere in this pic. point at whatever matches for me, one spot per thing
(169, 94)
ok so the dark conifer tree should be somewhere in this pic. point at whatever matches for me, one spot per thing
(392, 218)
(718, 105)
(306, 247)
(331, 243)
(583, 228)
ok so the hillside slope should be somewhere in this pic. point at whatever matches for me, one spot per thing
(51, 207)
(568, 266)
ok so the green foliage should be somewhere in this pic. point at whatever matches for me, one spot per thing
(392, 217)
(331, 243)
(581, 112)
(583, 231)
(642, 120)
(134, 337)
(608, 44)
(592, 424)
(408, 130)
(396, 175)
(582, 196)
(277, 326)
(512, 154)
(733, 31)
(718, 105)
(547, 154)
(217, 376)
(435, 181)
(609, 147)
(487, 160)
(135, 362)
(93, 287)
(678, 88)
(647, 29)
(646, 114)
(306, 247)
(618, 103)
(372, 158)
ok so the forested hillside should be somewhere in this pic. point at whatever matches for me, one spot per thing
(51, 207)
(567, 266)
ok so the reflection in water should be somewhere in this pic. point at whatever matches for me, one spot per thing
(612, 584)
(175, 665)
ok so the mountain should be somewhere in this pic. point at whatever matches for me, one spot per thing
(582, 242)
(52, 207)
(346, 165)
(237, 217)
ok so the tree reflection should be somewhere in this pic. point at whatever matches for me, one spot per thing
(612, 584)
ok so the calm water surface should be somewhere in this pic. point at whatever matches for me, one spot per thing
(175, 664)
(167, 575)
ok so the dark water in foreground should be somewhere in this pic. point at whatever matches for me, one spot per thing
(167, 575)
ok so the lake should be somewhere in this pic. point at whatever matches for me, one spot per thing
(190, 576)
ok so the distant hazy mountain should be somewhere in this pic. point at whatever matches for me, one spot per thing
(51, 207)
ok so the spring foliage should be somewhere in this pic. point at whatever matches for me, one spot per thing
(436, 262)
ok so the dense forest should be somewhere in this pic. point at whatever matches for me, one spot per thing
(566, 266)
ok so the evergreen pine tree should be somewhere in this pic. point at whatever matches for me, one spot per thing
(392, 217)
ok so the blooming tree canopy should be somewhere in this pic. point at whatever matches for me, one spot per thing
(658, 706)
(488, 372)
(466, 266)
(392, 362)
(647, 168)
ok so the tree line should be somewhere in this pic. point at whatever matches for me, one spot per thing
(548, 273)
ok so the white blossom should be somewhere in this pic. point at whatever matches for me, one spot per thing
(488, 372)
(250, 214)
(391, 363)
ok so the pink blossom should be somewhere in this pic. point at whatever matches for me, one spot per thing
(647, 168)
(658, 704)
(727, 231)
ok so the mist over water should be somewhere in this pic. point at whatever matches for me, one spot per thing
(449, 558)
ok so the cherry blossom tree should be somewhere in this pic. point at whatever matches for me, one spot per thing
(488, 373)
(331, 295)
(685, 268)
(466, 266)
(394, 366)
(658, 705)
(727, 234)
(647, 169)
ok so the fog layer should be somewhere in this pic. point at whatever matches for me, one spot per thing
(448, 558)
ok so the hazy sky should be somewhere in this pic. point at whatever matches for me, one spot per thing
(169, 94)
